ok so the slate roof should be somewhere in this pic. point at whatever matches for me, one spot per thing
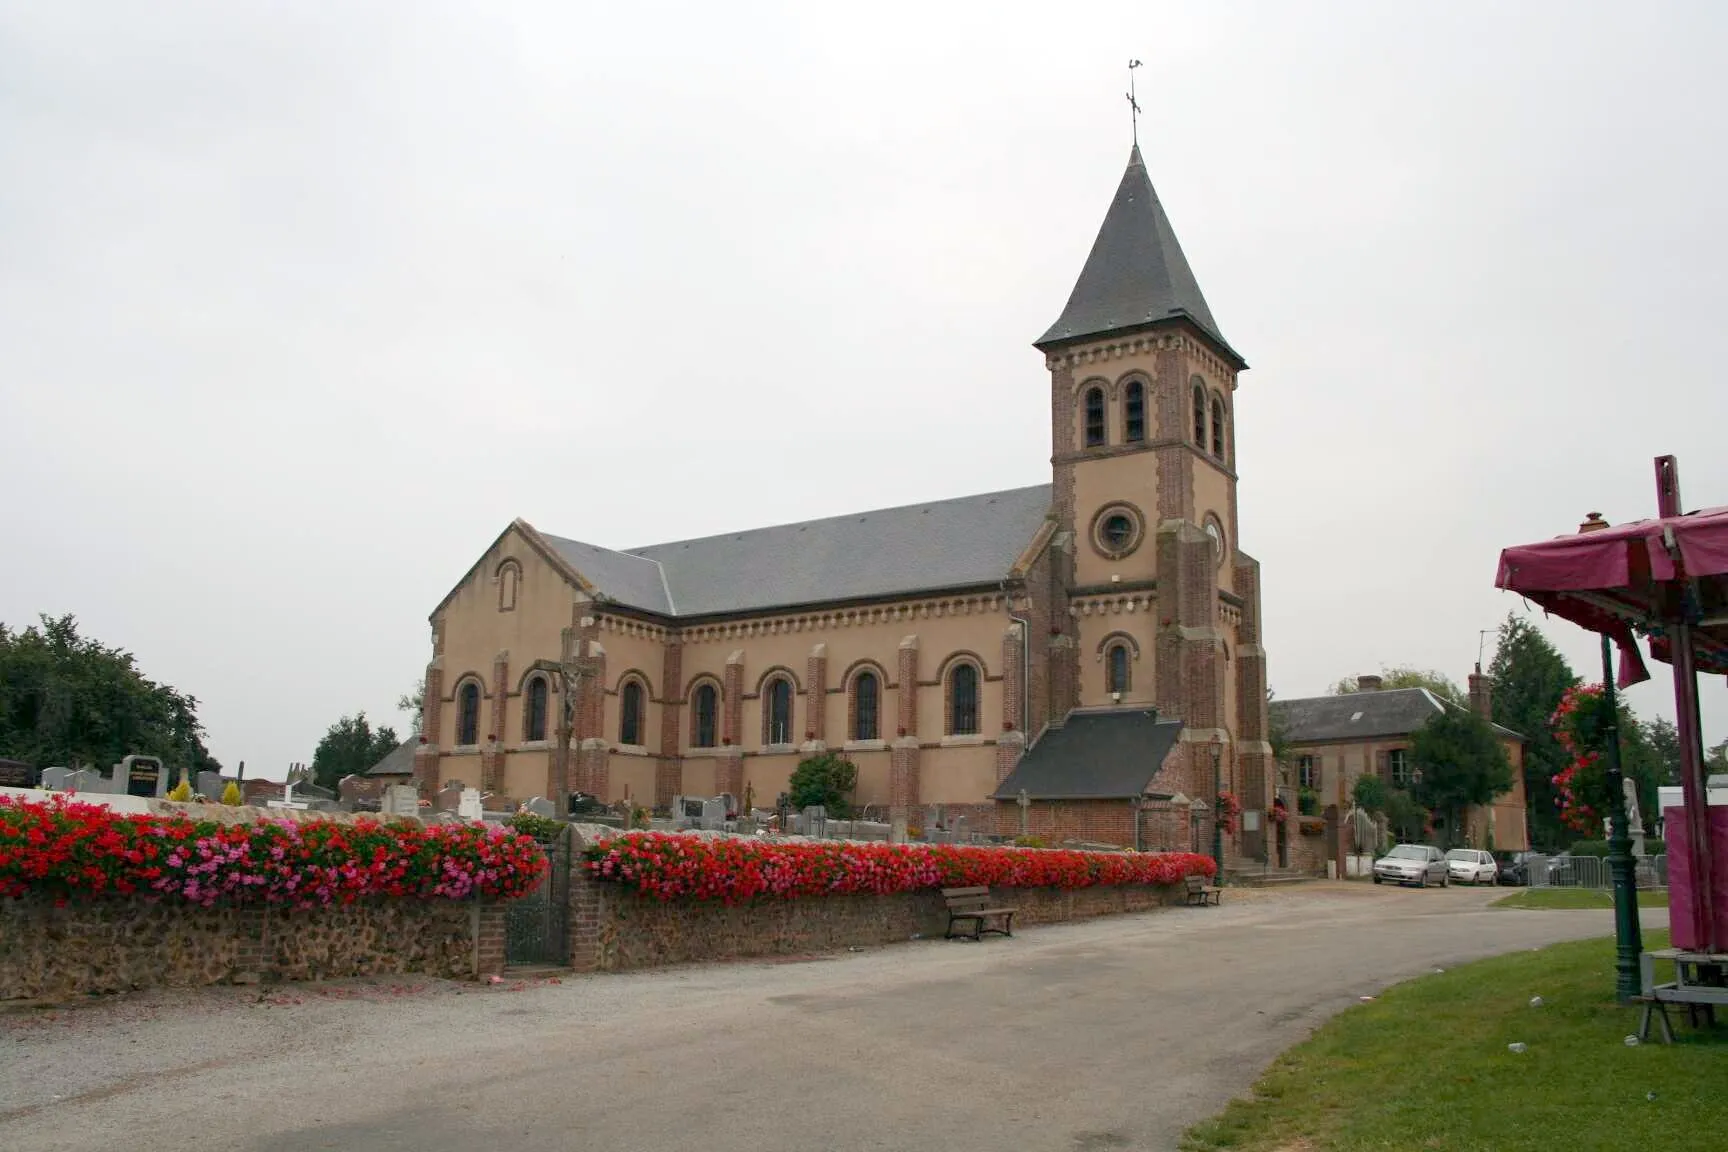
(400, 761)
(1360, 715)
(1105, 755)
(1136, 273)
(960, 543)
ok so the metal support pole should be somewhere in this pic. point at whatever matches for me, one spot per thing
(1628, 939)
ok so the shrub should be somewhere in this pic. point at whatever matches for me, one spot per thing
(669, 866)
(826, 780)
(232, 796)
(1369, 793)
(67, 850)
(541, 828)
(1307, 801)
(1030, 842)
(1597, 848)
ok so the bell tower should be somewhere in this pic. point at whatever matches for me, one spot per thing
(1163, 606)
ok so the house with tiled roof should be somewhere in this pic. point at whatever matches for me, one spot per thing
(1070, 651)
(1331, 741)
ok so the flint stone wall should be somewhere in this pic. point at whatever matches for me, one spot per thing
(615, 929)
(119, 944)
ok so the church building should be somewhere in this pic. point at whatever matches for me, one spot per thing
(1077, 659)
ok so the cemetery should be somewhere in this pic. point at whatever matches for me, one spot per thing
(106, 884)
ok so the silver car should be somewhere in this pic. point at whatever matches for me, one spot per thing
(1412, 864)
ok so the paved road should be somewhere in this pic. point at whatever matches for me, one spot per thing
(1113, 1034)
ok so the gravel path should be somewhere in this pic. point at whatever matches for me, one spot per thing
(1111, 1034)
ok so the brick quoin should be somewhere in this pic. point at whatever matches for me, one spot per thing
(669, 769)
(906, 698)
(492, 754)
(816, 693)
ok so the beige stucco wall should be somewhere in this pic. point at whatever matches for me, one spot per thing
(1130, 479)
(1139, 625)
(1212, 497)
(475, 631)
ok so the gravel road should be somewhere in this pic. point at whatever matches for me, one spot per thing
(1110, 1034)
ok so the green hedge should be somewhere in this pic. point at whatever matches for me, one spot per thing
(1599, 848)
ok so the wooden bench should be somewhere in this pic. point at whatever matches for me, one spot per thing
(1201, 893)
(972, 905)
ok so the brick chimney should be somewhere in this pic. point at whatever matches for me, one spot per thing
(1369, 683)
(1593, 523)
(1481, 694)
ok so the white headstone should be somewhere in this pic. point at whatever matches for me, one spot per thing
(469, 806)
(713, 815)
(540, 806)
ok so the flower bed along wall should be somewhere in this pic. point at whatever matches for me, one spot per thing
(669, 866)
(68, 851)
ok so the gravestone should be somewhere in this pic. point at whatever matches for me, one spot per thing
(897, 830)
(815, 820)
(140, 776)
(401, 800)
(211, 784)
(713, 818)
(88, 781)
(728, 802)
(449, 798)
(57, 779)
(540, 806)
(468, 805)
(958, 831)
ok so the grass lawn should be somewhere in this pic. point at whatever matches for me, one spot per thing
(1426, 1066)
(1577, 898)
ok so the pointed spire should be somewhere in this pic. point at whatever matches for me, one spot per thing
(1136, 276)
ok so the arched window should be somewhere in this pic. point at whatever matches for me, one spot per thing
(509, 579)
(630, 713)
(1218, 427)
(1199, 415)
(866, 706)
(468, 714)
(1116, 668)
(534, 710)
(705, 717)
(963, 700)
(777, 712)
(1134, 412)
(1094, 417)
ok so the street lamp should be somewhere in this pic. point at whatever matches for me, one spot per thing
(1217, 805)
(1628, 938)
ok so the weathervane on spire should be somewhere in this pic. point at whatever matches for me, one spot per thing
(1133, 104)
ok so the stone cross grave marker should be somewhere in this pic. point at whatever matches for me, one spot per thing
(468, 806)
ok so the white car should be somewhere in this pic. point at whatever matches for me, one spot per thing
(1472, 866)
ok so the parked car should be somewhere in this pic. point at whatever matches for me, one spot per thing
(1417, 864)
(1515, 867)
(1471, 866)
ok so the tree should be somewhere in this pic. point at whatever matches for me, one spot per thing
(69, 700)
(1460, 763)
(826, 780)
(349, 748)
(1530, 677)
(1664, 741)
(414, 701)
(1405, 818)
(1407, 677)
(1370, 793)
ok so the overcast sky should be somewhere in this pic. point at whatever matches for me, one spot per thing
(301, 303)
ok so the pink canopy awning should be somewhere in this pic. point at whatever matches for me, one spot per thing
(1635, 579)
(1665, 579)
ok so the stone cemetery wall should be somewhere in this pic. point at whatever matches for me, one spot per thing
(614, 928)
(119, 944)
